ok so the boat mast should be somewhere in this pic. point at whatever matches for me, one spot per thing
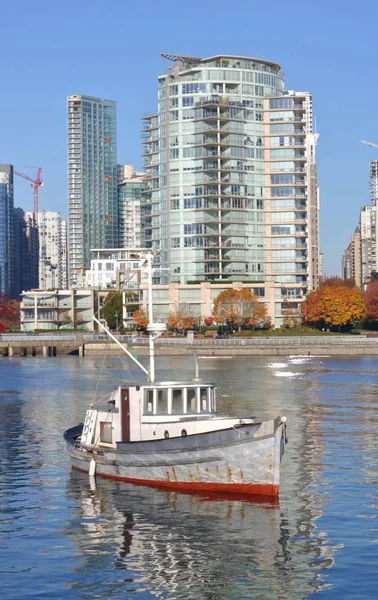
(150, 258)
(154, 329)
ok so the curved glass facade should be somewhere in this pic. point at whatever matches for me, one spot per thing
(204, 205)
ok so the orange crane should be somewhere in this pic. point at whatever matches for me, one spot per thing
(35, 184)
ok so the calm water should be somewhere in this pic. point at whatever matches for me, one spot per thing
(62, 536)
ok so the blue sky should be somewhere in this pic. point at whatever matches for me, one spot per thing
(50, 50)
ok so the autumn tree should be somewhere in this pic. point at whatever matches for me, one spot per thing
(335, 280)
(333, 305)
(238, 308)
(9, 313)
(371, 300)
(291, 317)
(140, 318)
(112, 308)
(181, 319)
(208, 321)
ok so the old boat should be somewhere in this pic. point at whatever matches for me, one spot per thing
(167, 434)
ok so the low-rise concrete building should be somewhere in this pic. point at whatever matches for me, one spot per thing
(58, 309)
(197, 299)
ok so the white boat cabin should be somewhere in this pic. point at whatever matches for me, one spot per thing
(154, 411)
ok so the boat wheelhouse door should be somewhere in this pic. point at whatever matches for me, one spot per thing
(125, 415)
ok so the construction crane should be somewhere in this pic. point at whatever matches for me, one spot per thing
(369, 144)
(35, 184)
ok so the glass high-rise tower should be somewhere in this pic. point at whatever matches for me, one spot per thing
(92, 181)
(231, 191)
(6, 231)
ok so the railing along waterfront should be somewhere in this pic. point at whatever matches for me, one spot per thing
(269, 341)
(183, 341)
(30, 337)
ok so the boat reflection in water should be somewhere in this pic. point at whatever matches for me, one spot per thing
(171, 544)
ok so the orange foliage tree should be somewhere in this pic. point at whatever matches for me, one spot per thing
(181, 320)
(371, 300)
(334, 305)
(140, 318)
(238, 308)
(292, 317)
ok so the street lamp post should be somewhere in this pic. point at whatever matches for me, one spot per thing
(116, 318)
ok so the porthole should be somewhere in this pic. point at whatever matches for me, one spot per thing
(166, 434)
(184, 433)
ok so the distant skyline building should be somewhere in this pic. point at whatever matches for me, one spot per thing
(373, 181)
(231, 190)
(52, 250)
(351, 259)
(25, 251)
(92, 180)
(368, 217)
(6, 230)
(131, 186)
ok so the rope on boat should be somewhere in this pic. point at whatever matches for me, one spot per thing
(98, 378)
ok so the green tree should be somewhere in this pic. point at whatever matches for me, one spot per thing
(112, 309)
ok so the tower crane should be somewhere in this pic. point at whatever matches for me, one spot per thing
(35, 184)
(369, 144)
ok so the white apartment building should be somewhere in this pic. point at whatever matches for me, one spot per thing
(115, 268)
(291, 208)
(368, 218)
(52, 250)
(130, 189)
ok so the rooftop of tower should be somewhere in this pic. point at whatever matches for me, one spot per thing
(194, 60)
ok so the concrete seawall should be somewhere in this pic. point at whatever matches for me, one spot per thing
(260, 350)
(261, 347)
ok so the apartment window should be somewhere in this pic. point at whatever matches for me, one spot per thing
(281, 178)
(193, 88)
(188, 101)
(280, 102)
(282, 191)
(176, 242)
(283, 115)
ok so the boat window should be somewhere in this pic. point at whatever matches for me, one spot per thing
(149, 405)
(192, 401)
(204, 400)
(162, 401)
(105, 432)
(177, 406)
